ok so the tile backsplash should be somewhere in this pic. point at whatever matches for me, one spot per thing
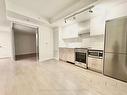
(95, 42)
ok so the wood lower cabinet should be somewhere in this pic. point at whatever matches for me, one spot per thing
(67, 54)
(95, 64)
(62, 55)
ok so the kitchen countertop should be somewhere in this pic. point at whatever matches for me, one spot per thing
(71, 48)
(66, 47)
(81, 48)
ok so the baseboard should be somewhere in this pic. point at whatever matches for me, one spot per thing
(26, 55)
(6, 58)
(46, 59)
(55, 58)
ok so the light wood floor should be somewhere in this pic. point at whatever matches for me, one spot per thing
(26, 77)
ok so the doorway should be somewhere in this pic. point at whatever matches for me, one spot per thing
(25, 39)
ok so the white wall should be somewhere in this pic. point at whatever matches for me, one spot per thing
(45, 33)
(45, 43)
(5, 38)
(45, 36)
(25, 43)
(5, 44)
(117, 11)
(56, 43)
(61, 41)
(2, 10)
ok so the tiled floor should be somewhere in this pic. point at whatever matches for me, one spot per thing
(26, 77)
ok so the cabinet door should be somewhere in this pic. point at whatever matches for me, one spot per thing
(62, 54)
(97, 26)
(67, 54)
(70, 55)
(95, 64)
(70, 31)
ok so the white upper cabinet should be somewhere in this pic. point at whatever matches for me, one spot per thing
(97, 21)
(74, 30)
(97, 26)
(70, 31)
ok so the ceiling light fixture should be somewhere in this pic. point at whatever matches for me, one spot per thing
(65, 21)
(79, 12)
(90, 11)
(74, 17)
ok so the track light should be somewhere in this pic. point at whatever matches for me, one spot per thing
(65, 20)
(74, 17)
(90, 11)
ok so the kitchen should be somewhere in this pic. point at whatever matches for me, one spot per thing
(85, 39)
(81, 40)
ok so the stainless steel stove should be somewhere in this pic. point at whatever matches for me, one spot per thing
(81, 57)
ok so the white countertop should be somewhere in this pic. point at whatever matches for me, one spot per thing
(83, 47)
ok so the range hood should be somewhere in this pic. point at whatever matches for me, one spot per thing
(84, 27)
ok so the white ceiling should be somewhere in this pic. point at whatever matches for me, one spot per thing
(85, 16)
(51, 10)
(46, 8)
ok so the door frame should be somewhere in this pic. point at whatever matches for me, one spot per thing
(13, 39)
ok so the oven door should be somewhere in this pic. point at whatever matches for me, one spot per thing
(80, 57)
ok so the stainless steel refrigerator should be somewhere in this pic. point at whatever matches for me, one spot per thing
(115, 53)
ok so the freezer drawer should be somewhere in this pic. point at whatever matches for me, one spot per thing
(116, 36)
(95, 64)
(115, 65)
